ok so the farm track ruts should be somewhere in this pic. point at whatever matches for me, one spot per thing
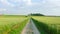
(30, 28)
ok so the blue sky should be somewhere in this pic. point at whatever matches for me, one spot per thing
(17, 7)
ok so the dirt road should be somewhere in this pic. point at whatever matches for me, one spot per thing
(30, 28)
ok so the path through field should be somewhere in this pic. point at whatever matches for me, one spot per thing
(30, 28)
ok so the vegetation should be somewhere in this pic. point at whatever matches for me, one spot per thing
(17, 29)
(12, 24)
(47, 25)
(37, 14)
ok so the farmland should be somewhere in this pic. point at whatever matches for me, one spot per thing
(12, 24)
(47, 25)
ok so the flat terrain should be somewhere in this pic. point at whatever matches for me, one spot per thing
(50, 24)
(30, 28)
(15, 24)
(47, 19)
(12, 24)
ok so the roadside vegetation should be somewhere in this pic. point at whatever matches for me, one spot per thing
(12, 24)
(47, 25)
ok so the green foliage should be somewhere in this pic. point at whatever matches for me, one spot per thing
(44, 28)
(48, 25)
(12, 24)
(15, 24)
(37, 14)
(19, 28)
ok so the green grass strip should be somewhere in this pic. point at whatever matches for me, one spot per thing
(18, 27)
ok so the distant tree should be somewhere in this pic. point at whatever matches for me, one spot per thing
(36, 14)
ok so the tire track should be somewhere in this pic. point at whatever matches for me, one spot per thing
(30, 28)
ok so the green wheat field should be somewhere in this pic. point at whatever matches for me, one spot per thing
(15, 24)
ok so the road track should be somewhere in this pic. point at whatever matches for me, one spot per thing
(30, 28)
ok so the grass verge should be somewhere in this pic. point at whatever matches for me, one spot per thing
(16, 29)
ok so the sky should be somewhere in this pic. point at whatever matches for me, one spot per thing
(24, 7)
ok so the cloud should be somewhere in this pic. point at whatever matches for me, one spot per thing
(29, 2)
(15, 1)
(2, 9)
(48, 7)
(55, 2)
(24, 0)
(5, 2)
